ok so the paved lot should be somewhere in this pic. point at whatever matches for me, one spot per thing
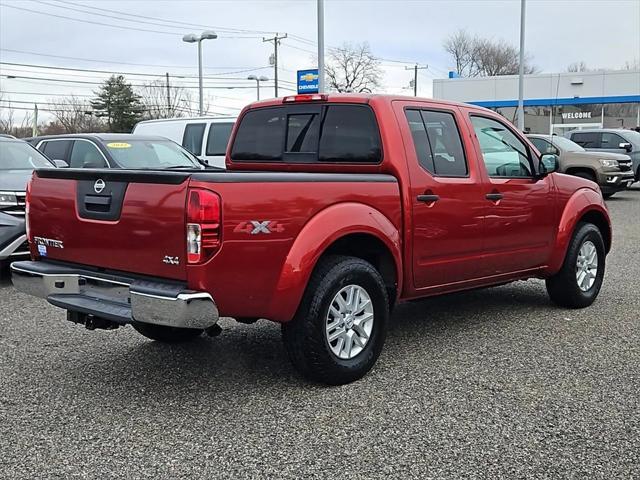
(494, 383)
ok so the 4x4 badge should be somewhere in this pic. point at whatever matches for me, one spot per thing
(254, 227)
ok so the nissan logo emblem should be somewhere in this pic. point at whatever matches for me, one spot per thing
(99, 185)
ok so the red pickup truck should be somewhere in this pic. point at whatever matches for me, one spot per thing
(333, 209)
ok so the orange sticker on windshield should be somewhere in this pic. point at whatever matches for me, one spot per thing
(119, 145)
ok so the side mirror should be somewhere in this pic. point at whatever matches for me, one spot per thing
(60, 163)
(548, 164)
(625, 146)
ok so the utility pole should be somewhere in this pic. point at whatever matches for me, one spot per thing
(34, 128)
(415, 69)
(276, 42)
(521, 69)
(321, 46)
(168, 96)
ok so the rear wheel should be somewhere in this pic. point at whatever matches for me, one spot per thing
(165, 334)
(578, 282)
(340, 327)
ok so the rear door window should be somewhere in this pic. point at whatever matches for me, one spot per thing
(56, 149)
(218, 138)
(587, 139)
(192, 138)
(85, 154)
(309, 133)
(437, 142)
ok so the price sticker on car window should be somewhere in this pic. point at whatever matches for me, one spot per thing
(119, 145)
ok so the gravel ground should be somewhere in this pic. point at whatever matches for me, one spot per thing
(487, 384)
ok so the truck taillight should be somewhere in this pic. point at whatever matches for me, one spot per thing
(27, 202)
(203, 225)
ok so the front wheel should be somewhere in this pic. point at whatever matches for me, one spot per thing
(578, 282)
(339, 330)
(164, 334)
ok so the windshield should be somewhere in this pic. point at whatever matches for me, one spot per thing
(150, 154)
(19, 155)
(633, 136)
(565, 144)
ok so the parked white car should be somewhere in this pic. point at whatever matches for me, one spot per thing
(205, 137)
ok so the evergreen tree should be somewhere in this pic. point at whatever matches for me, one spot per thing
(118, 104)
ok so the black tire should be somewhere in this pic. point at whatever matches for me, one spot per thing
(563, 287)
(608, 195)
(304, 337)
(164, 334)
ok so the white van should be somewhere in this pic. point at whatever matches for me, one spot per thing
(205, 137)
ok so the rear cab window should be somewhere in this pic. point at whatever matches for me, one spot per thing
(309, 133)
(192, 138)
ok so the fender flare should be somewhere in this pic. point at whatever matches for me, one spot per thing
(320, 232)
(581, 203)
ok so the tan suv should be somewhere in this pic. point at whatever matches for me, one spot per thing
(612, 171)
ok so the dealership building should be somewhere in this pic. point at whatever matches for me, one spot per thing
(557, 102)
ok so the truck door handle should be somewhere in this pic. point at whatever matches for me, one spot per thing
(494, 197)
(428, 198)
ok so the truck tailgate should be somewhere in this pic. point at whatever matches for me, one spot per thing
(130, 221)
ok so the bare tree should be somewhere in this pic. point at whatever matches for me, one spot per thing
(480, 57)
(580, 66)
(8, 123)
(461, 47)
(75, 115)
(353, 68)
(162, 102)
(6, 115)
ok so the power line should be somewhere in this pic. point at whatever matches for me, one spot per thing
(192, 67)
(122, 27)
(13, 92)
(101, 83)
(171, 21)
(75, 69)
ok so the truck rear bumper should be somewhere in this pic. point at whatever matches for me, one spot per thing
(115, 298)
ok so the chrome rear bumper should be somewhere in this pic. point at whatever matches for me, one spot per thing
(116, 298)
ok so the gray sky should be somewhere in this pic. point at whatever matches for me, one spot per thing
(604, 34)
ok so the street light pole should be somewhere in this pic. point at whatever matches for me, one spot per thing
(521, 69)
(200, 88)
(193, 38)
(321, 46)
(258, 80)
